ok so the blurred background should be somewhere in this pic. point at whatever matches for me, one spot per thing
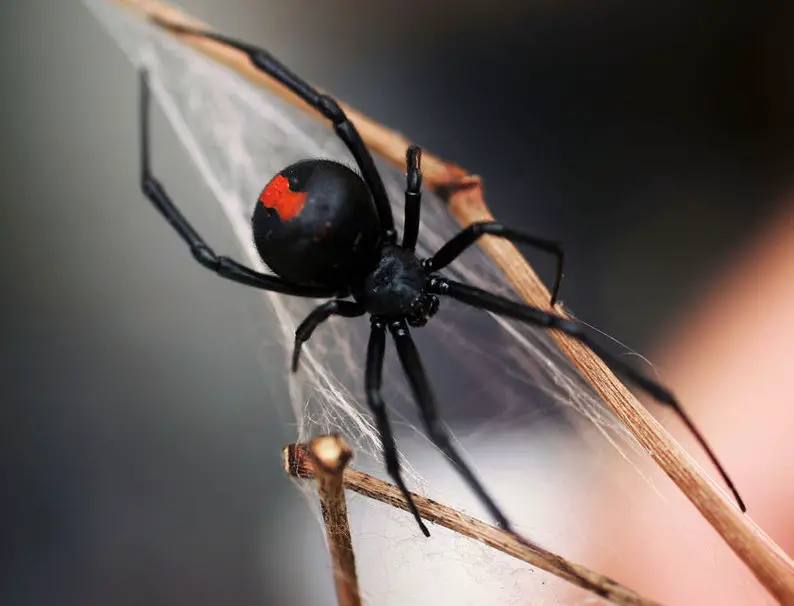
(140, 433)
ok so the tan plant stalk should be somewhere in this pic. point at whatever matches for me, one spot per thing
(298, 463)
(327, 458)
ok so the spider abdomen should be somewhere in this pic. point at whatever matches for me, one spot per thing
(315, 223)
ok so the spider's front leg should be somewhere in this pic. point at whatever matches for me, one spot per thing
(468, 236)
(437, 432)
(413, 196)
(482, 299)
(374, 378)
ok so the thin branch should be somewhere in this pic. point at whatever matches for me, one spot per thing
(297, 462)
(328, 457)
(464, 195)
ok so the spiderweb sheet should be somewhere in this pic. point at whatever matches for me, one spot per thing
(504, 388)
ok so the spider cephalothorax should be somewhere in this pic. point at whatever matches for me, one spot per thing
(397, 286)
(327, 232)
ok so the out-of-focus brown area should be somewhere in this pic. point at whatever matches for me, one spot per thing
(730, 360)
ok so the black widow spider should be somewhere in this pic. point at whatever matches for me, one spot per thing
(327, 232)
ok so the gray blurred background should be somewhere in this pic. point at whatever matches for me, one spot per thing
(140, 433)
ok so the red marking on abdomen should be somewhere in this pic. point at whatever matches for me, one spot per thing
(278, 196)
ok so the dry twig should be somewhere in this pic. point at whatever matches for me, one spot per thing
(328, 457)
(297, 462)
(464, 195)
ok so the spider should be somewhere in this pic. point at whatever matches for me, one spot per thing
(328, 232)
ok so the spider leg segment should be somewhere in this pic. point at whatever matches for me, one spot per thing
(374, 374)
(468, 236)
(504, 307)
(336, 307)
(324, 104)
(437, 432)
(223, 266)
(413, 197)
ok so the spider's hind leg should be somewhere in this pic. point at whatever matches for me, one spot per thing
(324, 104)
(199, 248)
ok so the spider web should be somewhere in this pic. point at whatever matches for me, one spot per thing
(508, 381)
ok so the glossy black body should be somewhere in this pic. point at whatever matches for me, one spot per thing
(333, 240)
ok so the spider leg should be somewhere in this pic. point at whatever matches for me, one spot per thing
(413, 196)
(336, 307)
(468, 236)
(324, 104)
(423, 394)
(374, 374)
(223, 266)
(504, 307)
